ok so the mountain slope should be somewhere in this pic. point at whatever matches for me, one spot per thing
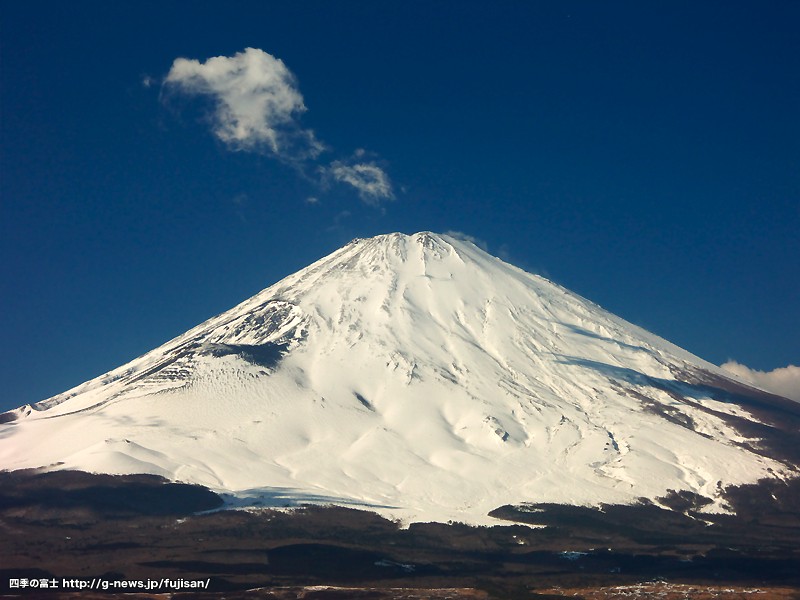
(419, 376)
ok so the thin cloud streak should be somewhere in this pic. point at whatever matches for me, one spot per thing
(460, 235)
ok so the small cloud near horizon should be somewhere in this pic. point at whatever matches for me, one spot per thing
(257, 108)
(784, 381)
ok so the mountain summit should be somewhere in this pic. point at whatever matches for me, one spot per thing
(418, 376)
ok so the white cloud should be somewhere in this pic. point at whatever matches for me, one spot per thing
(257, 106)
(371, 182)
(783, 381)
(257, 102)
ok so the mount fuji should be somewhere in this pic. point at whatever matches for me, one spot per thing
(419, 377)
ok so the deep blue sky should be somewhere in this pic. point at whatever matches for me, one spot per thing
(645, 155)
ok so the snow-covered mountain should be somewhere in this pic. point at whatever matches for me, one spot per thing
(417, 376)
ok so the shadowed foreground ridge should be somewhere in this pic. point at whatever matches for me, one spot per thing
(362, 555)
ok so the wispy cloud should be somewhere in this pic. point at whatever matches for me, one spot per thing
(370, 181)
(257, 108)
(460, 235)
(338, 220)
(784, 381)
